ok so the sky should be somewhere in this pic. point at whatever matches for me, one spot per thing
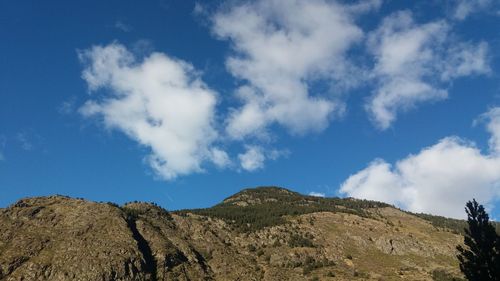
(185, 103)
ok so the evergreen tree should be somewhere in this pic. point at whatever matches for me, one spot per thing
(479, 260)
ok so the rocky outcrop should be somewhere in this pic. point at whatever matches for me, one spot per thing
(61, 238)
(58, 238)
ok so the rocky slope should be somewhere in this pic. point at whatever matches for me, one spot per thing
(257, 234)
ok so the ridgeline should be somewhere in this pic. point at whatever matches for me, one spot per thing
(266, 233)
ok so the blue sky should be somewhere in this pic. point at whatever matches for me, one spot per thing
(184, 103)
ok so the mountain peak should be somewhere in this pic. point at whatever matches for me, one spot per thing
(262, 194)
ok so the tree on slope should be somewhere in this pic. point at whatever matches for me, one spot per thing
(480, 259)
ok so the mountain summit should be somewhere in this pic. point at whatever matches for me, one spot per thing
(267, 233)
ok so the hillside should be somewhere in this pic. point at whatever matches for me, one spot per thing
(266, 233)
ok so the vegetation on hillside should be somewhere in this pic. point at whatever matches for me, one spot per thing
(254, 209)
(456, 226)
(442, 275)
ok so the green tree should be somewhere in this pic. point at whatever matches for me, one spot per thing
(480, 259)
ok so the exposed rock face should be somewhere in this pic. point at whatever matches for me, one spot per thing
(60, 238)
(57, 238)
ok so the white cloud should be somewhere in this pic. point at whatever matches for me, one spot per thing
(413, 63)
(316, 194)
(437, 180)
(199, 9)
(282, 53)
(253, 159)
(280, 48)
(466, 7)
(364, 6)
(466, 59)
(220, 158)
(274, 154)
(159, 102)
(255, 156)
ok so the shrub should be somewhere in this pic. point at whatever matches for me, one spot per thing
(251, 248)
(297, 240)
(441, 275)
(307, 269)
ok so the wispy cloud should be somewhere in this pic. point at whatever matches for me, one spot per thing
(68, 106)
(465, 8)
(413, 63)
(255, 156)
(25, 142)
(120, 25)
(492, 120)
(29, 140)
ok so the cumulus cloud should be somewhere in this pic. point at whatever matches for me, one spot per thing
(466, 7)
(316, 194)
(160, 102)
(292, 59)
(280, 48)
(437, 180)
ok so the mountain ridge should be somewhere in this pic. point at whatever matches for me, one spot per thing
(267, 233)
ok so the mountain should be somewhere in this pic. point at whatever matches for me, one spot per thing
(266, 233)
